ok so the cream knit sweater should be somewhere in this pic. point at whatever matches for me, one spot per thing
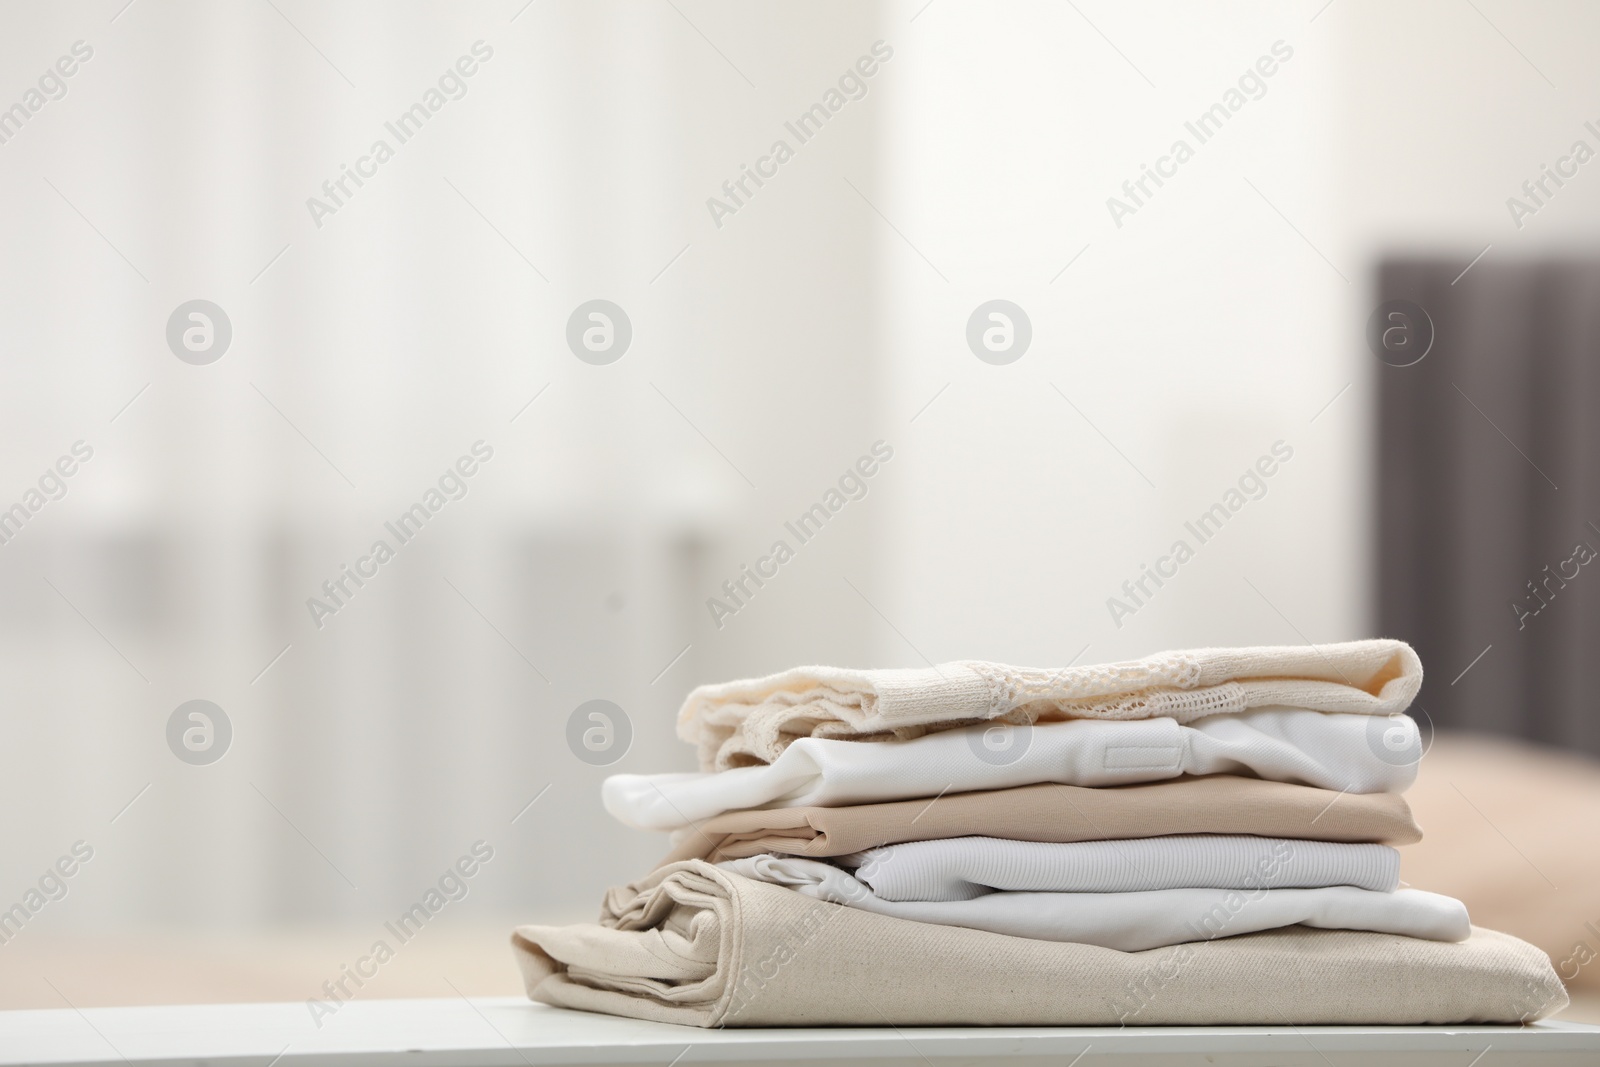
(737, 724)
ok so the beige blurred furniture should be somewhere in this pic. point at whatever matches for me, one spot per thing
(1510, 828)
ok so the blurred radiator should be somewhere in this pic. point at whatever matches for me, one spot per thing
(1488, 478)
(372, 752)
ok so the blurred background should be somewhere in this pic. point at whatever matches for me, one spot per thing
(230, 368)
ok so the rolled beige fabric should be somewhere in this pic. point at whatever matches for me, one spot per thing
(1213, 804)
(698, 945)
(737, 724)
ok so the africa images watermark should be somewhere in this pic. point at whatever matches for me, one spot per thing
(1252, 486)
(1207, 125)
(852, 85)
(852, 485)
(1542, 593)
(52, 485)
(52, 886)
(52, 85)
(452, 485)
(452, 85)
(1579, 154)
(1142, 991)
(452, 886)
(754, 976)
(1581, 956)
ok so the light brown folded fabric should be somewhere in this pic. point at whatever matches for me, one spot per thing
(1214, 804)
(695, 944)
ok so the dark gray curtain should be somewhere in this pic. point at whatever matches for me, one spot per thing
(1488, 459)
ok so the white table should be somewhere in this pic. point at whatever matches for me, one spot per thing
(511, 1032)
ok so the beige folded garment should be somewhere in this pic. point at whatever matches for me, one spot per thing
(1214, 804)
(694, 944)
(736, 724)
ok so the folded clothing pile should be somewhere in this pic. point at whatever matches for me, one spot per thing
(1199, 837)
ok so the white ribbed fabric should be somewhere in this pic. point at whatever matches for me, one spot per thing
(960, 868)
(1133, 922)
(1349, 752)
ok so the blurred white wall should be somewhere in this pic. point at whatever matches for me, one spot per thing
(1445, 109)
(1224, 315)
(368, 354)
(1167, 358)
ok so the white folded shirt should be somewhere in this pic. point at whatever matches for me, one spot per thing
(1348, 752)
(1133, 922)
(961, 868)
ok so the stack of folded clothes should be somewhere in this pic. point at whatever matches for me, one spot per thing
(1197, 838)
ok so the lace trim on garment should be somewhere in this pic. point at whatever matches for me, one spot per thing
(1011, 687)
